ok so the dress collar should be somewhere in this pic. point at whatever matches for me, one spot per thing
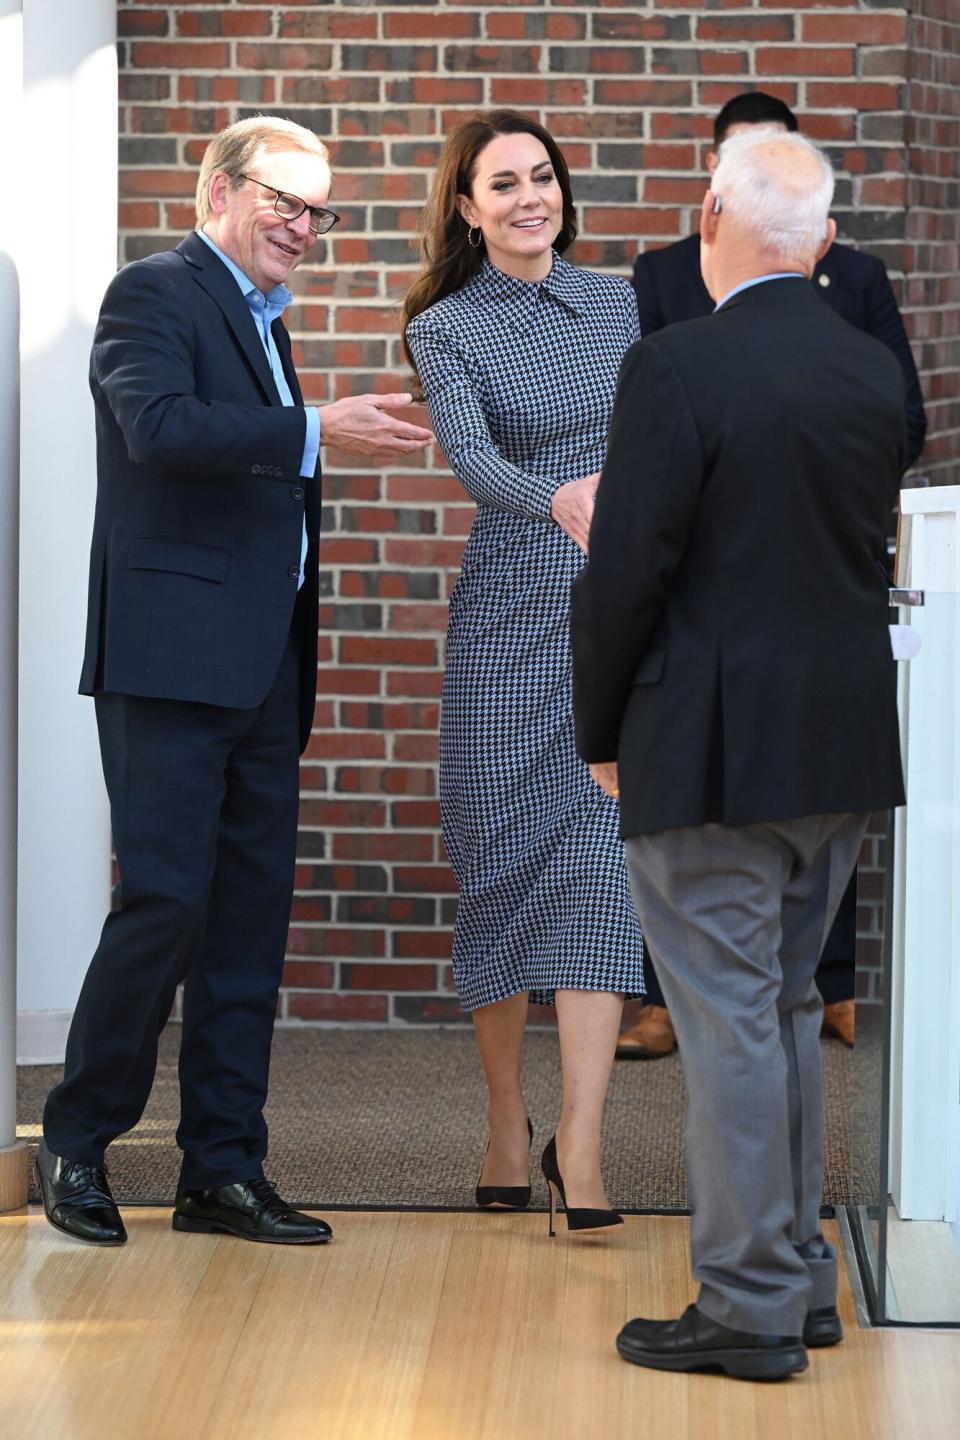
(564, 283)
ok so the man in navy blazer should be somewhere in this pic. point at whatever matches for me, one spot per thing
(669, 285)
(201, 653)
(670, 288)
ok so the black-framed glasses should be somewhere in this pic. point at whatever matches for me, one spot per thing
(291, 207)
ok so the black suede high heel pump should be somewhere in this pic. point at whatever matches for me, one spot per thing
(504, 1197)
(579, 1219)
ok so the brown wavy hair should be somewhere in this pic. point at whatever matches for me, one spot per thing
(448, 260)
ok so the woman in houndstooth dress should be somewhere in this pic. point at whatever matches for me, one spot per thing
(518, 354)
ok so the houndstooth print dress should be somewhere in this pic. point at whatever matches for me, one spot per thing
(520, 379)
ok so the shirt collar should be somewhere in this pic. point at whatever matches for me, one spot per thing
(758, 280)
(277, 299)
(520, 298)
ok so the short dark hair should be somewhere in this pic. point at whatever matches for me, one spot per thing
(754, 107)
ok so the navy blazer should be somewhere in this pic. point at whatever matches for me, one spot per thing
(669, 288)
(730, 639)
(200, 504)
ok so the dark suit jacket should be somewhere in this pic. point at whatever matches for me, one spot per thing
(198, 524)
(730, 629)
(670, 287)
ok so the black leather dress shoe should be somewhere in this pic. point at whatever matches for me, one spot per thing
(822, 1327)
(249, 1209)
(694, 1342)
(77, 1199)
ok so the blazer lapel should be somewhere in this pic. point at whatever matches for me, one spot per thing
(216, 280)
(282, 340)
(313, 496)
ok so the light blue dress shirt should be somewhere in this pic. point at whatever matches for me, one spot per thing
(757, 280)
(265, 309)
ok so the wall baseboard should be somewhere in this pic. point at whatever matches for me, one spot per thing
(42, 1036)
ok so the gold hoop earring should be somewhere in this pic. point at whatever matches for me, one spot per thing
(474, 244)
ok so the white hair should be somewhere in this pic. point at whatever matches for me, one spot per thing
(788, 209)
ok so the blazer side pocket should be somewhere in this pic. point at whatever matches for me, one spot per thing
(180, 557)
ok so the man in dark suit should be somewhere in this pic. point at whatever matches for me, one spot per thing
(201, 653)
(670, 288)
(734, 684)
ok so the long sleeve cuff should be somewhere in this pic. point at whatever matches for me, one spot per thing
(311, 444)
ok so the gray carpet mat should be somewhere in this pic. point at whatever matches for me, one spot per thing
(396, 1118)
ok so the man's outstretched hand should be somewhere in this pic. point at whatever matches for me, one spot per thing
(358, 425)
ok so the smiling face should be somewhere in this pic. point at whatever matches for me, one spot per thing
(516, 200)
(245, 224)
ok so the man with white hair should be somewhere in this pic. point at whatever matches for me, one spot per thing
(854, 283)
(202, 657)
(734, 684)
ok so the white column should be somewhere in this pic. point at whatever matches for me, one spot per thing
(66, 256)
(13, 1172)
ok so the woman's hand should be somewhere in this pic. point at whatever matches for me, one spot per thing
(607, 777)
(572, 508)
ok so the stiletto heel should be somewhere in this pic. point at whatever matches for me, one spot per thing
(553, 1208)
(504, 1197)
(579, 1219)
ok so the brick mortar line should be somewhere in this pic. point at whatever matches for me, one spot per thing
(505, 7)
(171, 102)
(545, 43)
(693, 77)
(735, 45)
(294, 1022)
(335, 989)
(605, 171)
(400, 926)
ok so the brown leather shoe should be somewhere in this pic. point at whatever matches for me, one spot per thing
(838, 1019)
(651, 1037)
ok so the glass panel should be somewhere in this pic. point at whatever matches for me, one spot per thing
(923, 1250)
(906, 1123)
(870, 1058)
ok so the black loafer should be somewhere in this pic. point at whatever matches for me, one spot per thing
(694, 1342)
(249, 1209)
(77, 1199)
(822, 1327)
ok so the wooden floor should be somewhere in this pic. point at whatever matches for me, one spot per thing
(923, 1270)
(409, 1327)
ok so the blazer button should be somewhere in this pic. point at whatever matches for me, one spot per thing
(296, 493)
(294, 572)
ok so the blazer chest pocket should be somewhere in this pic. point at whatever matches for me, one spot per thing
(180, 557)
(650, 668)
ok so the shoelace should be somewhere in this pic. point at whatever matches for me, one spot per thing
(92, 1178)
(266, 1193)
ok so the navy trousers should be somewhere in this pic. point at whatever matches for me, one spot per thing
(204, 804)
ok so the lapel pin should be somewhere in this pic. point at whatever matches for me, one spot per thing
(824, 280)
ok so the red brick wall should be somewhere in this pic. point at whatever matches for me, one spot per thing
(630, 93)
